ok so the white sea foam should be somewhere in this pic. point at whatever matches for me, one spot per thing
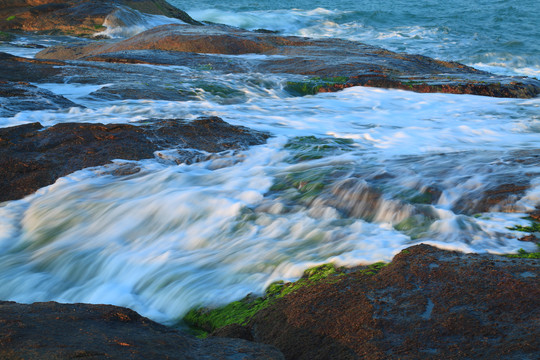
(126, 22)
(171, 237)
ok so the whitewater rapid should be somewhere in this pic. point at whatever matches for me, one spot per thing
(175, 236)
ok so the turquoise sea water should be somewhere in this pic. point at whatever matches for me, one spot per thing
(501, 36)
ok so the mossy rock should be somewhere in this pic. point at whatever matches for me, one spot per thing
(414, 226)
(5, 36)
(205, 320)
(312, 86)
(222, 91)
(304, 185)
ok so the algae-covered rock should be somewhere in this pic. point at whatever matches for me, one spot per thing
(240, 312)
(426, 304)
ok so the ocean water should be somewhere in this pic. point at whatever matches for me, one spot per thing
(174, 236)
(501, 36)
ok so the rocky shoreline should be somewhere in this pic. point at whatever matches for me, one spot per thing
(33, 156)
(427, 303)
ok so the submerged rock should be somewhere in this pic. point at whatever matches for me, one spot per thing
(16, 68)
(426, 304)
(21, 96)
(32, 157)
(76, 17)
(64, 331)
(335, 64)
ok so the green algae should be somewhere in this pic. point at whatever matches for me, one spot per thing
(205, 320)
(522, 254)
(534, 227)
(10, 18)
(313, 86)
(373, 269)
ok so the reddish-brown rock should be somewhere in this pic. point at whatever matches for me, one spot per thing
(427, 304)
(75, 17)
(32, 157)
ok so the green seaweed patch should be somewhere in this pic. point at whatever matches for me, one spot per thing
(373, 269)
(10, 18)
(205, 320)
(534, 227)
(312, 86)
(523, 254)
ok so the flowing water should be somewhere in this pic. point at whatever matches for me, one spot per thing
(351, 177)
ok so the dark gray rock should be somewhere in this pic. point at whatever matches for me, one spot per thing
(64, 331)
(20, 96)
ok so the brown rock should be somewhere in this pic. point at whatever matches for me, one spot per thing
(354, 63)
(75, 17)
(32, 157)
(427, 304)
(65, 331)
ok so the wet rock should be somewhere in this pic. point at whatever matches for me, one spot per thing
(21, 96)
(32, 157)
(215, 39)
(64, 331)
(426, 304)
(353, 63)
(6, 37)
(75, 17)
(16, 68)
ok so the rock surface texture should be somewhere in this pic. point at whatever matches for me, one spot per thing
(337, 63)
(76, 17)
(68, 331)
(427, 304)
(22, 96)
(32, 157)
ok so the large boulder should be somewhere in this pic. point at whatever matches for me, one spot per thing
(32, 157)
(426, 304)
(75, 17)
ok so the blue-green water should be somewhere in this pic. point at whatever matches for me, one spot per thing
(501, 36)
